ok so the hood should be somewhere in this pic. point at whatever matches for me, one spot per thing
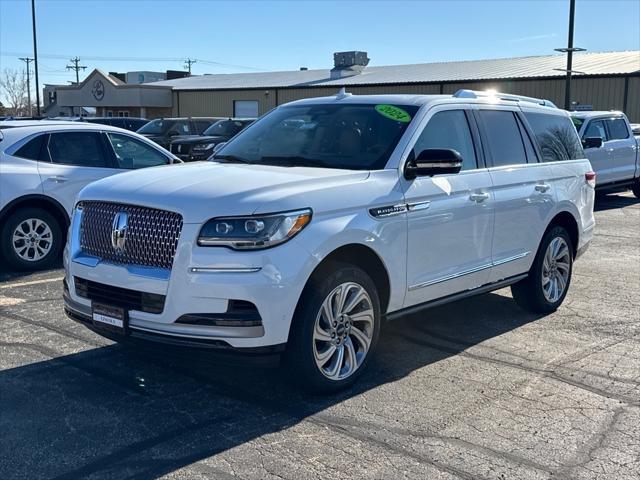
(192, 139)
(203, 190)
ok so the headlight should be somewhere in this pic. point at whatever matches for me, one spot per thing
(253, 232)
(206, 146)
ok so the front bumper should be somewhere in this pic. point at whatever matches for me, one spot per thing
(203, 280)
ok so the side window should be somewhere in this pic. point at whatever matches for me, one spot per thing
(532, 157)
(617, 129)
(83, 149)
(131, 153)
(32, 150)
(596, 129)
(503, 137)
(557, 136)
(449, 129)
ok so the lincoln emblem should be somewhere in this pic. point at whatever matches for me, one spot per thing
(119, 231)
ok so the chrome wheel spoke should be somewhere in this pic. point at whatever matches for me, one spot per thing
(351, 357)
(363, 316)
(356, 298)
(321, 334)
(323, 357)
(361, 338)
(336, 367)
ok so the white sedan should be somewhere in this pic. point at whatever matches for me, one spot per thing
(43, 167)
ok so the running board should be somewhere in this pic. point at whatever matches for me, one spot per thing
(490, 287)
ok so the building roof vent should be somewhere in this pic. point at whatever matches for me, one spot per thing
(347, 64)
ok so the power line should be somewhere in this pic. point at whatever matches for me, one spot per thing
(28, 60)
(76, 67)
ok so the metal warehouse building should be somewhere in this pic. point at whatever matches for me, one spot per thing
(604, 81)
(607, 81)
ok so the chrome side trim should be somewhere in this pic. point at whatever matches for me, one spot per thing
(510, 259)
(450, 277)
(225, 270)
(469, 271)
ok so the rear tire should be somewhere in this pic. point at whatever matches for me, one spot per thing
(547, 284)
(31, 239)
(635, 188)
(335, 329)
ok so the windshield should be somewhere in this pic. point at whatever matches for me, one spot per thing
(577, 121)
(224, 128)
(156, 127)
(349, 136)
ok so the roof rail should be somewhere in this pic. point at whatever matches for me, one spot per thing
(502, 96)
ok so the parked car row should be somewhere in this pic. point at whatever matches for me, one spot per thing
(200, 147)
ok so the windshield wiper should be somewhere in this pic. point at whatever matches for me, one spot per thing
(230, 159)
(294, 161)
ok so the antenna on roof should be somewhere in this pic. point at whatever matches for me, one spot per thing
(343, 94)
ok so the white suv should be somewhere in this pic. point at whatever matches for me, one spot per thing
(43, 166)
(328, 216)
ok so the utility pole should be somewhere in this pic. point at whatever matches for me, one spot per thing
(28, 61)
(76, 67)
(569, 51)
(187, 64)
(35, 53)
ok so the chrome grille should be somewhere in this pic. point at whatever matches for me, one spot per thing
(151, 238)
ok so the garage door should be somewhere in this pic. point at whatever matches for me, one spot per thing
(245, 108)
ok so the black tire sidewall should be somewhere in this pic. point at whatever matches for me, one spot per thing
(6, 236)
(299, 357)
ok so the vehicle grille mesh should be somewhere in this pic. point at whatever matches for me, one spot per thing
(151, 237)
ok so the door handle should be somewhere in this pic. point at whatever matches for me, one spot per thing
(542, 187)
(479, 197)
(58, 179)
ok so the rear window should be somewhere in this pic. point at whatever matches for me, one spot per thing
(556, 135)
(31, 150)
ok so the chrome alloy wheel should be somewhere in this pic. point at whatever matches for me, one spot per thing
(556, 267)
(32, 240)
(343, 331)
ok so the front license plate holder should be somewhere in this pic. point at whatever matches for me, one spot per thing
(110, 318)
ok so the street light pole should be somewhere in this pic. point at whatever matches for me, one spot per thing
(35, 53)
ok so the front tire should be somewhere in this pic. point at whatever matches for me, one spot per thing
(335, 329)
(546, 286)
(635, 188)
(31, 239)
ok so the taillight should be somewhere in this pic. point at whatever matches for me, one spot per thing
(590, 177)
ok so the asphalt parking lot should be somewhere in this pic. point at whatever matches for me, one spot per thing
(475, 390)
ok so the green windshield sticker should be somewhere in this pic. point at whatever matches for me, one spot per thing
(394, 113)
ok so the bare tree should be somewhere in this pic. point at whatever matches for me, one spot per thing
(14, 90)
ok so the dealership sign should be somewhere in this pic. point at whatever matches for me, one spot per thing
(98, 90)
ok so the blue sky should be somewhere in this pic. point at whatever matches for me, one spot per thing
(267, 35)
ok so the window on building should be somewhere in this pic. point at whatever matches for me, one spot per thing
(131, 153)
(109, 113)
(83, 149)
(617, 129)
(503, 137)
(449, 129)
(556, 135)
(245, 108)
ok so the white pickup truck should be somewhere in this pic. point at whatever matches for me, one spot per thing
(612, 149)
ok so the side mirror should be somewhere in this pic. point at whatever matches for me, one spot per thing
(592, 142)
(433, 161)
